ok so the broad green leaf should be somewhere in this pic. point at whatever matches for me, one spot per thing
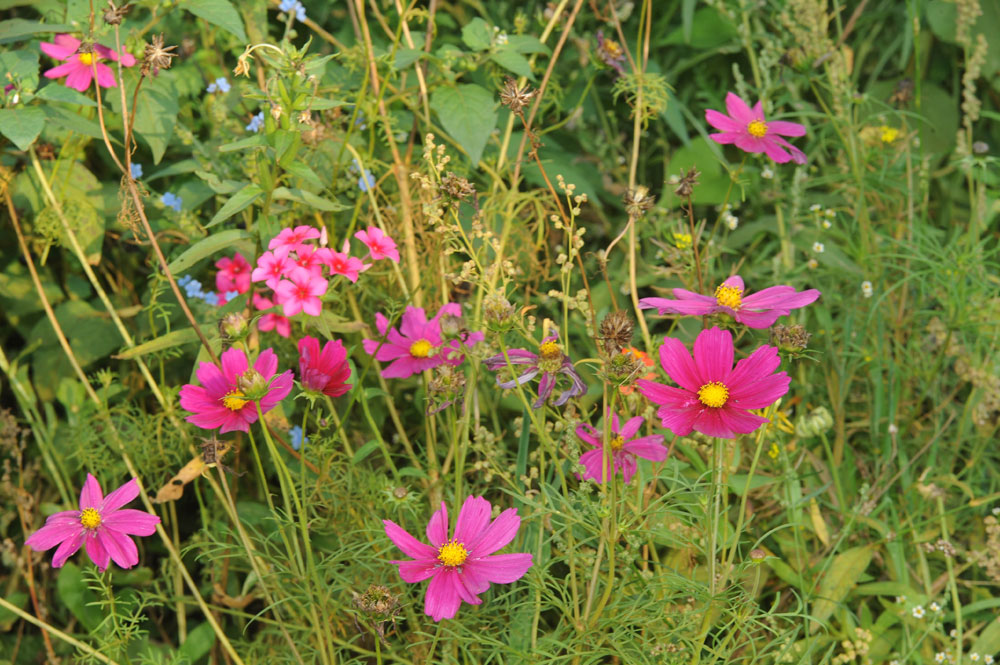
(364, 451)
(22, 126)
(839, 580)
(320, 104)
(309, 199)
(526, 44)
(302, 170)
(168, 341)
(988, 640)
(709, 30)
(206, 247)
(477, 34)
(514, 61)
(67, 119)
(22, 66)
(255, 141)
(240, 200)
(198, 643)
(406, 57)
(18, 28)
(468, 113)
(156, 114)
(219, 12)
(56, 92)
(74, 594)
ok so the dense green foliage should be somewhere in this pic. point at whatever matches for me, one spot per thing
(530, 160)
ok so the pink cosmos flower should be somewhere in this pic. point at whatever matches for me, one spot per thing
(272, 266)
(624, 448)
(714, 397)
(324, 372)
(294, 239)
(101, 525)
(227, 397)
(461, 567)
(301, 292)
(418, 344)
(750, 132)
(233, 275)
(78, 68)
(270, 321)
(380, 246)
(758, 310)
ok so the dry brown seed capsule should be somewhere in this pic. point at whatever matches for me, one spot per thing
(687, 184)
(616, 332)
(156, 56)
(516, 98)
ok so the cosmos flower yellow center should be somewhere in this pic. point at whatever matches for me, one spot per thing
(90, 518)
(550, 351)
(421, 348)
(757, 128)
(617, 443)
(714, 394)
(452, 554)
(234, 401)
(87, 58)
(612, 48)
(729, 296)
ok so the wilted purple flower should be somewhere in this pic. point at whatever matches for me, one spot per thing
(549, 361)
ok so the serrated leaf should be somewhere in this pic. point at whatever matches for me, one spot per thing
(22, 66)
(467, 113)
(56, 92)
(206, 247)
(513, 61)
(406, 57)
(239, 201)
(839, 580)
(221, 13)
(22, 126)
(477, 34)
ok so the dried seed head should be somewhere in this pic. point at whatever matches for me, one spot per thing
(498, 313)
(516, 98)
(687, 184)
(378, 603)
(456, 187)
(638, 201)
(616, 332)
(115, 15)
(792, 339)
(156, 56)
(276, 111)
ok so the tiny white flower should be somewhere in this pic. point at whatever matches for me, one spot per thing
(829, 212)
(934, 607)
(502, 38)
(815, 207)
(866, 289)
(674, 179)
(939, 657)
(974, 657)
(826, 224)
(996, 511)
(988, 659)
(813, 264)
(893, 429)
(953, 632)
(818, 247)
(900, 599)
(767, 173)
(918, 612)
(732, 221)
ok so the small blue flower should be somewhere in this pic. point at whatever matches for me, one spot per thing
(367, 181)
(136, 171)
(295, 434)
(293, 7)
(219, 85)
(229, 295)
(191, 286)
(211, 298)
(171, 200)
(256, 123)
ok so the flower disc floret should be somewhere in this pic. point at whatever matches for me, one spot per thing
(421, 348)
(714, 394)
(757, 128)
(452, 554)
(90, 518)
(729, 296)
(234, 401)
(617, 443)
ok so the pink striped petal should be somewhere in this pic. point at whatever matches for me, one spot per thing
(68, 548)
(713, 354)
(64, 47)
(780, 297)
(409, 545)
(62, 70)
(760, 394)
(212, 379)
(97, 552)
(91, 495)
(726, 138)
(647, 447)
(132, 522)
(58, 527)
(234, 363)
(588, 434)
(267, 363)
(738, 109)
(722, 121)
(740, 421)
(79, 79)
(473, 518)
(119, 497)
(785, 128)
(631, 427)
(757, 320)
(497, 535)
(417, 571)
(437, 528)
(121, 548)
(105, 77)
(680, 421)
(679, 366)
(503, 568)
(442, 599)
(593, 462)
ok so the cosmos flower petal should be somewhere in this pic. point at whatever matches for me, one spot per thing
(758, 320)
(68, 548)
(759, 364)
(713, 354)
(710, 423)
(785, 128)
(740, 421)
(58, 527)
(680, 421)
(409, 545)
(79, 78)
(680, 366)
(627, 465)
(593, 461)
(97, 552)
(266, 363)
(761, 393)
(442, 598)
(722, 121)
(234, 364)
(586, 432)
(437, 528)
(497, 535)
(726, 138)
(780, 297)
(132, 522)
(417, 571)
(473, 518)
(647, 447)
(631, 427)
(122, 548)
(738, 109)
(503, 568)
(124, 494)
(91, 495)
(65, 47)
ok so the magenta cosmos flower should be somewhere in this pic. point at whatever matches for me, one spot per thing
(758, 310)
(461, 567)
(550, 361)
(78, 68)
(380, 246)
(624, 448)
(750, 132)
(227, 398)
(418, 345)
(325, 371)
(714, 397)
(101, 524)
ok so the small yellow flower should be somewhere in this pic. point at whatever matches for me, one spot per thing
(774, 451)
(888, 134)
(682, 240)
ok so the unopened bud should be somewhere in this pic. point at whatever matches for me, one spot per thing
(757, 555)
(234, 326)
(816, 422)
(252, 384)
(791, 339)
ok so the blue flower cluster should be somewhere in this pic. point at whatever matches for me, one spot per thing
(293, 7)
(256, 123)
(219, 85)
(171, 200)
(136, 171)
(193, 289)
